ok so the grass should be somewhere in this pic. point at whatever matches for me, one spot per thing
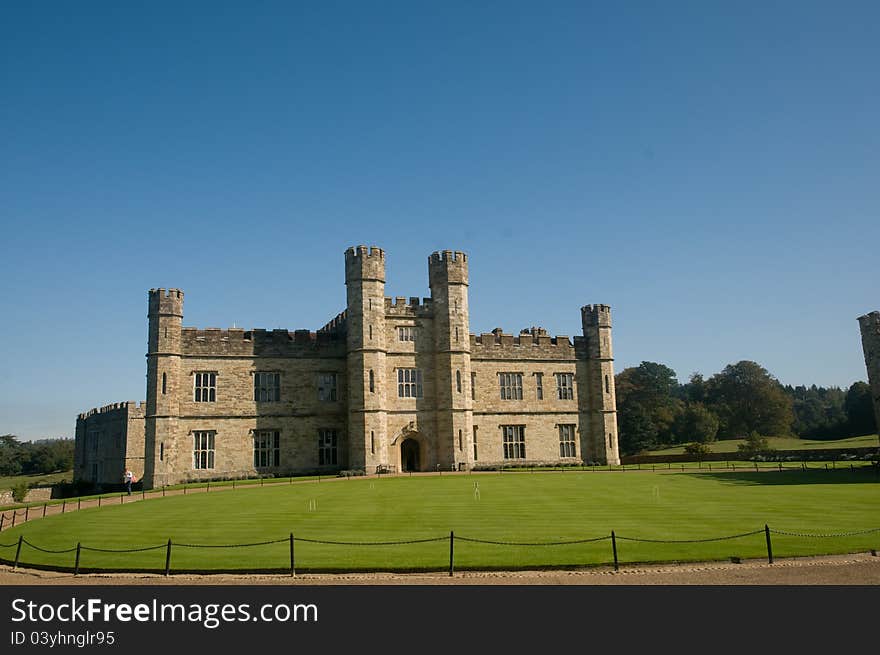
(782, 443)
(509, 507)
(8, 482)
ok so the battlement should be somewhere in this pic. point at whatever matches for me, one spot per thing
(129, 406)
(166, 302)
(260, 342)
(447, 267)
(447, 256)
(362, 263)
(526, 345)
(400, 306)
(337, 324)
(596, 315)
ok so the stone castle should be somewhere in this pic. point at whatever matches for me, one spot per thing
(388, 384)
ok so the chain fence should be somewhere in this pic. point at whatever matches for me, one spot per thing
(451, 538)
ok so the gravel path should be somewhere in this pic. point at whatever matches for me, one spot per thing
(855, 569)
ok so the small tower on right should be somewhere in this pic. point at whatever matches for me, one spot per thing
(870, 328)
(597, 403)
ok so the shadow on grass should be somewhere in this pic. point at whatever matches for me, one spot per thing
(862, 475)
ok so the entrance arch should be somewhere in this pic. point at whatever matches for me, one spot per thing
(410, 457)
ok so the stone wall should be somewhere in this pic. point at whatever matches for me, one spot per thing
(33, 496)
(869, 325)
(109, 439)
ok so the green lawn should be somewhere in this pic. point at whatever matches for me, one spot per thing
(8, 482)
(782, 443)
(509, 507)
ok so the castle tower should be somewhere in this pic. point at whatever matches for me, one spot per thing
(869, 324)
(448, 279)
(164, 349)
(365, 291)
(597, 404)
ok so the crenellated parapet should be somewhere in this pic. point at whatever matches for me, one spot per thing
(447, 267)
(261, 343)
(400, 306)
(336, 325)
(132, 407)
(526, 345)
(165, 302)
(596, 315)
(363, 263)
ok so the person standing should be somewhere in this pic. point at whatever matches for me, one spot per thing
(128, 477)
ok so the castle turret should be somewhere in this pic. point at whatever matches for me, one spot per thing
(448, 279)
(869, 324)
(164, 350)
(597, 404)
(365, 291)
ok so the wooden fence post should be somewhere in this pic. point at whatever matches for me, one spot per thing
(614, 549)
(17, 550)
(168, 559)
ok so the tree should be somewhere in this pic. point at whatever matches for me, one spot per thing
(818, 412)
(697, 450)
(859, 408)
(695, 390)
(646, 406)
(696, 423)
(10, 455)
(755, 445)
(748, 399)
(34, 457)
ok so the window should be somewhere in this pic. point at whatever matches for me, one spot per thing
(475, 443)
(514, 437)
(371, 332)
(409, 383)
(372, 382)
(267, 387)
(607, 385)
(565, 386)
(327, 387)
(458, 381)
(511, 386)
(611, 440)
(161, 451)
(539, 386)
(406, 333)
(164, 383)
(203, 450)
(205, 388)
(267, 448)
(326, 447)
(566, 441)
(460, 445)
(372, 443)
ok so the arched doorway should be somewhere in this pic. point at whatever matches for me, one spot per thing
(409, 455)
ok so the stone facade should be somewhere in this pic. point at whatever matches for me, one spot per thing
(396, 384)
(869, 324)
(109, 439)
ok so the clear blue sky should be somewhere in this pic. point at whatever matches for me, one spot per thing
(710, 170)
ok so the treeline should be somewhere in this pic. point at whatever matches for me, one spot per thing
(655, 410)
(34, 457)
